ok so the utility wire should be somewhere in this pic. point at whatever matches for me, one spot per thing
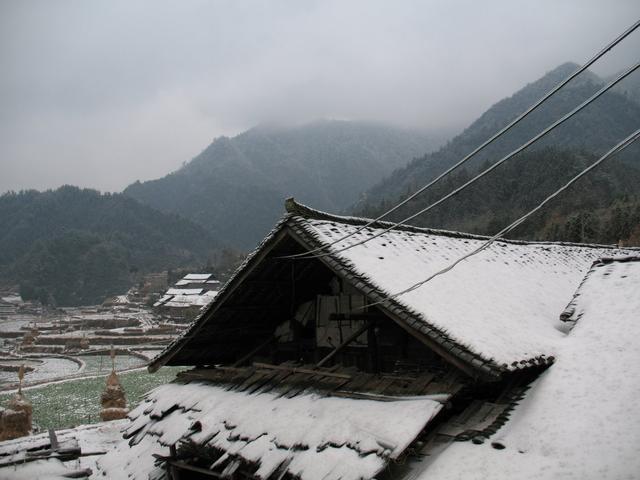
(549, 94)
(618, 148)
(551, 127)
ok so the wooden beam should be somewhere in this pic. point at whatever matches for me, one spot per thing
(254, 351)
(356, 316)
(251, 308)
(322, 373)
(185, 466)
(85, 473)
(349, 339)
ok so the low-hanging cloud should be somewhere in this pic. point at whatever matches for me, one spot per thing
(100, 94)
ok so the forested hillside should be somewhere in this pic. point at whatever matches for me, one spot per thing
(71, 246)
(595, 129)
(604, 205)
(236, 186)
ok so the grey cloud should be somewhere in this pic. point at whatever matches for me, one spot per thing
(102, 93)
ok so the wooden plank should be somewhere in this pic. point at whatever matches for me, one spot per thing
(301, 370)
(264, 381)
(53, 439)
(305, 382)
(85, 473)
(185, 466)
(348, 340)
(358, 381)
(384, 383)
(230, 469)
(276, 381)
(421, 383)
(356, 316)
(250, 381)
(434, 388)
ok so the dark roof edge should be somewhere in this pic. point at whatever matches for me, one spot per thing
(295, 208)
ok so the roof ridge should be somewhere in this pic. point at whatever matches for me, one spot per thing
(293, 207)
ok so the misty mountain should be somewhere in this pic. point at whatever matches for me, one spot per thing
(75, 247)
(236, 186)
(595, 129)
(528, 178)
(630, 87)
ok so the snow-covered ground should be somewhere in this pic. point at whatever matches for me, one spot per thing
(44, 368)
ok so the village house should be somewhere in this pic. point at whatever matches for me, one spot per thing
(188, 296)
(307, 368)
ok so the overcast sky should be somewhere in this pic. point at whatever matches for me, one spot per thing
(100, 94)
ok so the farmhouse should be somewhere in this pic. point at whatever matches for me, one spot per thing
(307, 368)
(189, 295)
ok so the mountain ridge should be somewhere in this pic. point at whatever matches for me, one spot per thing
(236, 186)
(595, 129)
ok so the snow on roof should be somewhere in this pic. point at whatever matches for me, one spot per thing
(15, 299)
(184, 291)
(189, 300)
(163, 300)
(580, 418)
(312, 436)
(92, 439)
(500, 304)
(197, 276)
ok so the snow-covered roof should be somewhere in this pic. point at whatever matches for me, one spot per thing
(197, 276)
(496, 310)
(14, 299)
(179, 300)
(580, 418)
(184, 291)
(309, 436)
(92, 440)
(500, 304)
(181, 283)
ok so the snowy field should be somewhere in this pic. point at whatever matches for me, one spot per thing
(98, 364)
(45, 368)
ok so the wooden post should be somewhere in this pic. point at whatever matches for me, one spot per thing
(372, 346)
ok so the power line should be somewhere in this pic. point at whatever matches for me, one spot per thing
(522, 147)
(504, 130)
(616, 149)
